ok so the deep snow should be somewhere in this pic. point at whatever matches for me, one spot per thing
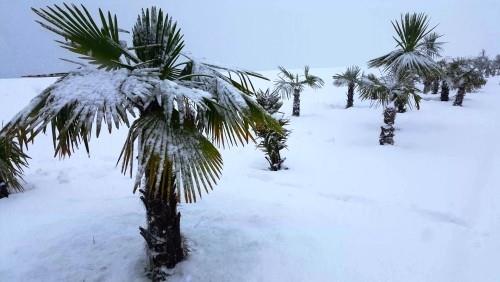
(348, 209)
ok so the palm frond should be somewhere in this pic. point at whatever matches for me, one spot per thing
(388, 88)
(73, 103)
(158, 42)
(312, 81)
(432, 46)
(100, 45)
(12, 162)
(412, 53)
(165, 150)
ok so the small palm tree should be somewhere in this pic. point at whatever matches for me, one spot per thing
(464, 77)
(288, 83)
(182, 108)
(272, 142)
(12, 162)
(388, 90)
(350, 79)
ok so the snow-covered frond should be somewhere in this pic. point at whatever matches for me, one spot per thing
(164, 150)
(270, 101)
(310, 80)
(431, 46)
(231, 111)
(73, 103)
(399, 61)
(411, 30)
(461, 72)
(384, 90)
(100, 45)
(285, 74)
(351, 75)
(12, 162)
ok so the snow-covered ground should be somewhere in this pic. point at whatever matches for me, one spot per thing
(346, 210)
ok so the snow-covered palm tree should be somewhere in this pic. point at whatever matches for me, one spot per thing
(289, 83)
(350, 79)
(417, 46)
(12, 162)
(181, 108)
(465, 77)
(387, 90)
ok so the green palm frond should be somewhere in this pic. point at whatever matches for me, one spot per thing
(413, 53)
(158, 42)
(351, 75)
(12, 162)
(432, 46)
(164, 150)
(100, 45)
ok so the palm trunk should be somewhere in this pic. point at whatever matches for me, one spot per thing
(459, 98)
(162, 234)
(445, 91)
(387, 130)
(400, 104)
(296, 102)
(350, 96)
(435, 86)
(427, 86)
(4, 193)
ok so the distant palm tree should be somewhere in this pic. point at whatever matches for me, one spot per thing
(185, 107)
(387, 90)
(350, 79)
(464, 77)
(288, 83)
(12, 162)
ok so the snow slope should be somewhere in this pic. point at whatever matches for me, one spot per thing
(346, 210)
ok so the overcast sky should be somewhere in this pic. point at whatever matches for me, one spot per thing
(262, 34)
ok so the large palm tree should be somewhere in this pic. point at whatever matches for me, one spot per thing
(464, 77)
(12, 162)
(387, 90)
(416, 48)
(288, 83)
(182, 109)
(350, 79)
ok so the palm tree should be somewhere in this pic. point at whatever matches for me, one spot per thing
(387, 90)
(182, 107)
(12, 162)
(464, 77)
(417, 46)
(272, 141)
(350, 79)
(288, 83)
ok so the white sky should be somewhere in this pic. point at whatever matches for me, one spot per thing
(262, 34)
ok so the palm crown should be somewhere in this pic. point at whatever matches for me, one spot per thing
(350, 76)
(183, 105)
(287, 82)
(416, 45)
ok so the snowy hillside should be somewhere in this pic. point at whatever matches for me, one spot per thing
(347, 209)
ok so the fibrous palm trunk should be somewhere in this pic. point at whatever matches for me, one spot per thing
(459, 98)
(400, 103)
(387, 130)
(4, 193)
(296, 102)
(350, 96)
(162, 233)
(435, 86)
(445, 91)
